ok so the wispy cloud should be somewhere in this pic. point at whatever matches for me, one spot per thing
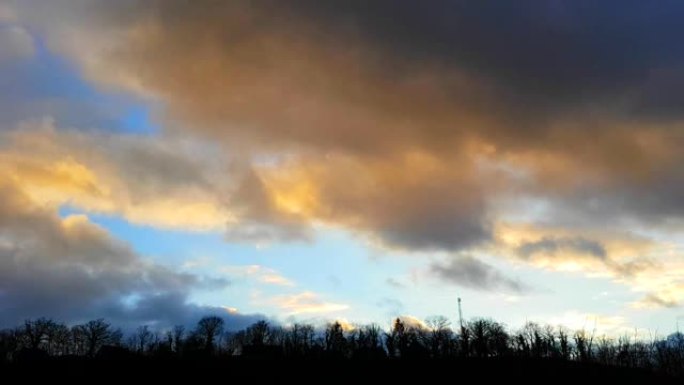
(395, 283)
(306, 303)
(472, 273)
(260, 273)
(663, 299)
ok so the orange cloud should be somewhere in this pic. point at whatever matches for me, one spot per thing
(97, 173)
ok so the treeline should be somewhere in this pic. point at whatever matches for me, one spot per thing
(406, 340)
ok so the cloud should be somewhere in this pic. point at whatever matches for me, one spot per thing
(166, 309)
(260, 273)
(655, 301)
(7, 13)
(411, 201)
(550, 246)
(446, 209)
(72, 269)
(394, 283)
(652, 268)
(420, 128)
(599, 324)
(392, 306)
(17, 43)
(472, 273)
(260, 220)
(147, 181)
(403, 128)
(169, 182)
(616, 253)
(410, 321)
(305, 303)
(275, 279)
(663, 290)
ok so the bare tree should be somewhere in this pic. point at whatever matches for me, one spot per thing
(478, 329)
(439, 336)
(143, 338)
(565, 348)
(366, 342)
(178, 335)
(208, 328)
(58, 339)
(95, 334)
(35, 332)
(258, 334)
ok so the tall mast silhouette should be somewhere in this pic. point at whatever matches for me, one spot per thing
(460, 314)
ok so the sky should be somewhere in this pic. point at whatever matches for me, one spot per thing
(308, 161)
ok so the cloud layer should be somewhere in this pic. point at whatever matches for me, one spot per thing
(427, 129)
(426, 116)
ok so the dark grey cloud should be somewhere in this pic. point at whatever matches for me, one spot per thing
(169, 308)
(658, 199)
(434, 223)
(472, 273)
(550, 246)
(550, 53)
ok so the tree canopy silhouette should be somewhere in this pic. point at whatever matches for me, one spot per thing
(406, 340)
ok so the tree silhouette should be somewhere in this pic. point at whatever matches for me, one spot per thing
(58, 339)
(565, 349)
(258, 333)
(335, 342)
(36, 332)
(143, 338)
(92, 335)
(440, 336)
(583, 345)
(208, 328)
(299, 340)
(407, 340)
(178, 336)
(395, 341)
(367, 342)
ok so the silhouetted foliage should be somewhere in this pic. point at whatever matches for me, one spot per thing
(91, 336)
(208, 328)
(483, 340)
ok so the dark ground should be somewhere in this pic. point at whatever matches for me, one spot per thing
(320, 371)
